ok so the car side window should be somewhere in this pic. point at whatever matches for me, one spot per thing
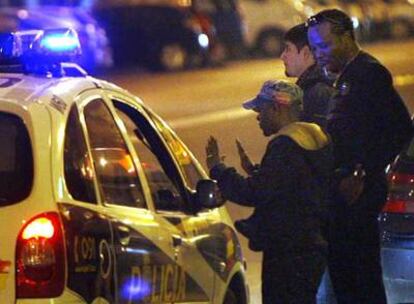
(16, 160)
(115, 170)
(156, 162)
(79, 172)
(183, 156)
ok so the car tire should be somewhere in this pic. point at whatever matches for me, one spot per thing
(173, 57)
(400, 29)
(218, 54)
(230, 297)
(270, 43)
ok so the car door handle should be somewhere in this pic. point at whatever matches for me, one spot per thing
(124, 235)
(176, 241)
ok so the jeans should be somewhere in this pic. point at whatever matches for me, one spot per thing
(326, 294)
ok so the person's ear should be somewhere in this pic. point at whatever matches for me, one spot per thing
(307, 53)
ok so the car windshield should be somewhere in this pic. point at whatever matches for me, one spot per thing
(16, 160)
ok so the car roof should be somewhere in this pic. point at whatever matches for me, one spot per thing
(28, 89)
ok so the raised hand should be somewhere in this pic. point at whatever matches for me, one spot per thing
(245, 161)
(212, 153)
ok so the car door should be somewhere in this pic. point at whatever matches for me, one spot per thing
(145, 266)
(170, 201)
(88, 232)
(211, 238)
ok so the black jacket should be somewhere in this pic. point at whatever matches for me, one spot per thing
(286, 187)
(368, 124)
(317, 93)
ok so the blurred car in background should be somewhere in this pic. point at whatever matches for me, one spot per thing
(397, 229)
(267, 21)
(229, 24)
(157, 36)
(96, 51)
(401, 18)
(362, 24)
(373, 19)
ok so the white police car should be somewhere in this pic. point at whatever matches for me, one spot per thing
(100, 202)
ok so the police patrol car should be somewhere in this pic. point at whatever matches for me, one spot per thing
(100, 201)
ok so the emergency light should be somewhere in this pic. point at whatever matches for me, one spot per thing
(40, 51)
(56, 43)
(10, 47)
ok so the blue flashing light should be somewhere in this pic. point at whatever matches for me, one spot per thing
(59, 43)
(42, 52)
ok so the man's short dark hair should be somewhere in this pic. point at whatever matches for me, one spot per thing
(341, 23)
(298, 35)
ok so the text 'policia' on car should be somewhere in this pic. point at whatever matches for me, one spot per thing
(100, 201)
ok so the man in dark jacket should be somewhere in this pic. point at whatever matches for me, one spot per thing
(317, 89)
(299, 62)
(368, 125)
(286, 190)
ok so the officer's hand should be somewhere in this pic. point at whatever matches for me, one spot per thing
(351, 187)
(245, 161)
(212, 153)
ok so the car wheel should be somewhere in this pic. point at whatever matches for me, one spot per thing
(218, 53)
(173, 57)
(270, 44)
(400, 29)
(230, 297)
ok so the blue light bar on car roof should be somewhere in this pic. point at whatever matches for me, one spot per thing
(39, 51)
(10, 46)
(61, 42)
(40, 45)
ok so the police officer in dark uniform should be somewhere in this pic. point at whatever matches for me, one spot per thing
(316, 85)
(368, 125)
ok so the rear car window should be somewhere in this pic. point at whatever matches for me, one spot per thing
(16, 160)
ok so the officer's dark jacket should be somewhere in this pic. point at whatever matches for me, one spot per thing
(317, 93)
(286, 187)
(369, 122)
(369, 125)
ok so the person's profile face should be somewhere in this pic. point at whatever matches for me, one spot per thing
(327, 47)
(293, 59)
(267, 118)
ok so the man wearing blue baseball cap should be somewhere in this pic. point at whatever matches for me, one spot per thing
(287, 190)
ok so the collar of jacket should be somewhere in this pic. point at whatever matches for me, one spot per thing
(309, 136)
(349, 63)
(312, 72)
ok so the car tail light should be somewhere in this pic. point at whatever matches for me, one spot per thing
(40, 258)
(401, 193)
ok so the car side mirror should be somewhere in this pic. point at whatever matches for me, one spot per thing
(208, 194)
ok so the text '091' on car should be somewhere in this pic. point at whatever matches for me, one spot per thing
(100, 201)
